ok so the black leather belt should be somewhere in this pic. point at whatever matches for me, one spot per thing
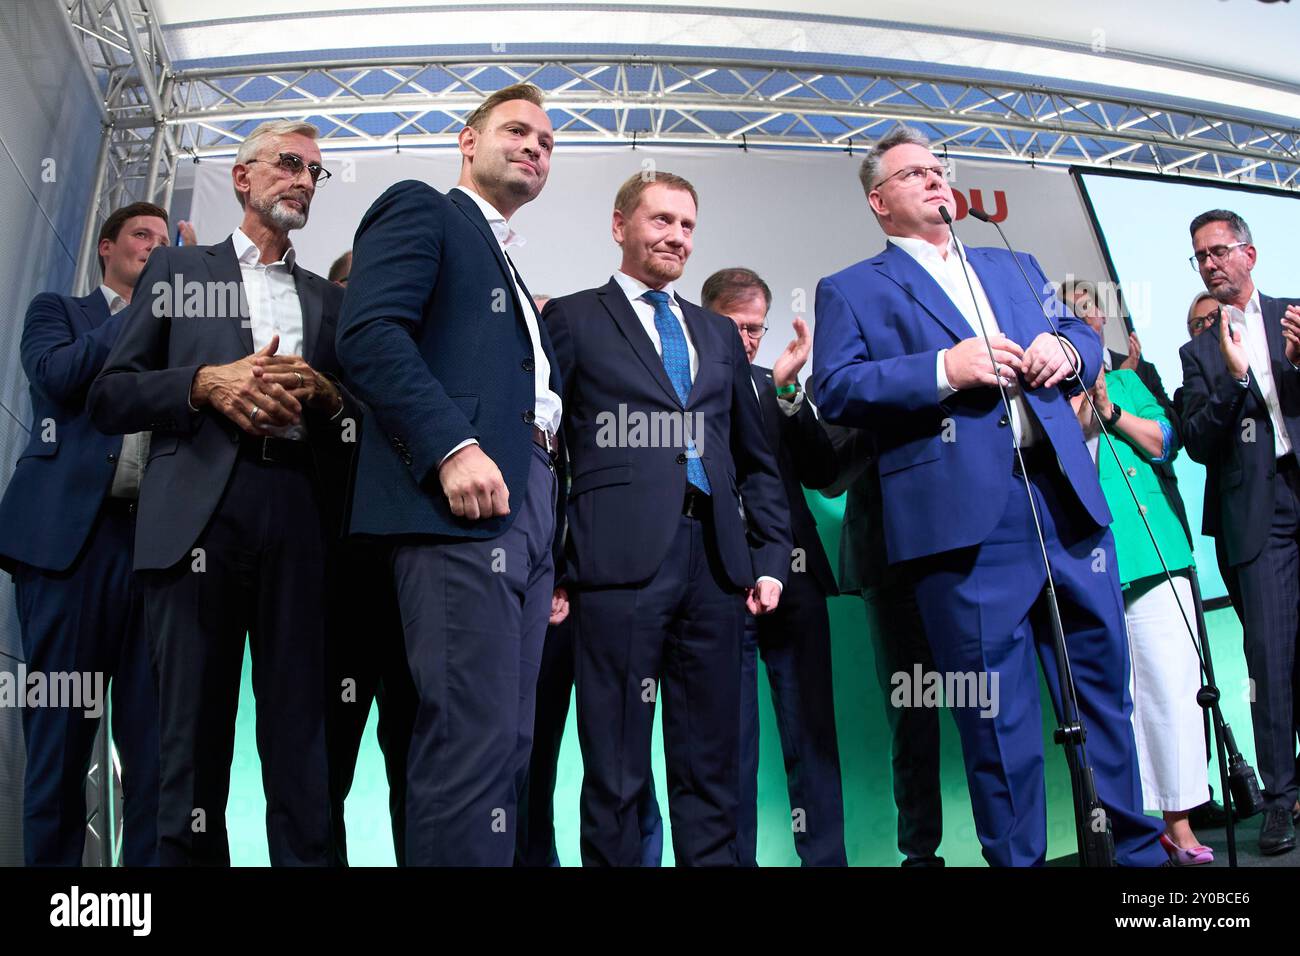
(695, 504)
(1038, 458)
(1287, 463)
(545, 440)
(279, 451)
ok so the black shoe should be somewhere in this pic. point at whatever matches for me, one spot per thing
(1208, 816)
(1277, 835)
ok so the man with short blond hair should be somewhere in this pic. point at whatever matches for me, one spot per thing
(227, 355)
(457, 470)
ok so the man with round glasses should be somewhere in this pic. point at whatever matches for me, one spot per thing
(1241, 419)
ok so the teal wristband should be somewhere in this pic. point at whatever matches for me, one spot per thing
(788, 391)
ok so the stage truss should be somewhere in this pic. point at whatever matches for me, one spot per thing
(156, 117)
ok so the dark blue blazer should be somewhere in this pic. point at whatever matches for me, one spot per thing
(1239, 462)
(145, 386)
(945, 467)
(66, 470)
(624, 501)
(433, 341)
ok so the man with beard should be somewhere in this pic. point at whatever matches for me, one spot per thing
(457, 470)
(227, 355)
(658, 561)
(1241, 419)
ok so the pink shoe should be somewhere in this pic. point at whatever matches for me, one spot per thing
(1180, 857)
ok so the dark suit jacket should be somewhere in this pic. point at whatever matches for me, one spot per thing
(66, 470)
(805, 459)
(880, 326)
(433, 341)
(863, 563)
(145, 386)
(1147, 374)
(624, 500)
(1239, 466)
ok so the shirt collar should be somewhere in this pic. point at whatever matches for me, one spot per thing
(506, 236)
(115, 301)
(922, 249)
(249, 254)
(1252, 307)
(634, 289)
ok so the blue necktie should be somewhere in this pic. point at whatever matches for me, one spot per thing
(677, 363)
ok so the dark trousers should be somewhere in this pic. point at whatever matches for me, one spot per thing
(87, 621)
(474, 614)
(985, 613)
(257, 570)
(366, 663)
(1269, 587)
(536, 844)
(677, 635)
(898, 641)
(795, 644)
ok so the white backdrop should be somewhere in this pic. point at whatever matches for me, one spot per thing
(791, 216)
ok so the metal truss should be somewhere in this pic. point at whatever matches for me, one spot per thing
(154, 115)
(123, 57)
(376, 103)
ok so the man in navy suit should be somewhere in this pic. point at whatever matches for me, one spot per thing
(795, 640)
(66, 531)
(899, 351)
(1241, 419)
(665, 437)
(457, 470)
(240, 501)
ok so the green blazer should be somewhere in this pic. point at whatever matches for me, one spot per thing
(1137, 558)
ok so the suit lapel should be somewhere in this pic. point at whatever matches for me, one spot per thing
(469, 209)
(620, 310)
(912, 278)
(997, 291)
(94, 308)
(767, 405)
(697, 328)
(309, 299)
(224, 267)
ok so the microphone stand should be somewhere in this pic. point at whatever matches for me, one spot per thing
(1091, 822)
(1237, 778)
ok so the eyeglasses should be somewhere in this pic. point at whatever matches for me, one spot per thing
(1199, 323)
(915, 175)
(1199, 258)
(292, 164)
(753, 331)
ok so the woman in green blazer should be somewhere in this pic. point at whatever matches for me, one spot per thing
(1165, 674)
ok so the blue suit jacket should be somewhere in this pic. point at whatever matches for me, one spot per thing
(432, 339)
(627, 492)
(66, 470)
(145, 386)
(1239, 463)
(945, 467)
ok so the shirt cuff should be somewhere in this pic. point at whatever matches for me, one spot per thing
(768, 577)
(945, 389)
(1244, 382)
(790, 406)
(465, 444)
(342, 405)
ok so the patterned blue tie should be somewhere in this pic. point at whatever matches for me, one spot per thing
(677, 363)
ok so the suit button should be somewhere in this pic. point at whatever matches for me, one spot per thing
(1132, 472)
(112, 459)
(1002, 422)
(681, 458)
(527, 365)
(406, 459)
(528, 416)
(1142, 509)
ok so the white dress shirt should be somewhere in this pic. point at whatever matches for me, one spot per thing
(547, 407)
(1261, 367)
(273, 307)
(946, 269)
(634, 289)
(135, 446)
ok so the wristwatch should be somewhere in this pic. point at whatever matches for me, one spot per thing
(1115, 412)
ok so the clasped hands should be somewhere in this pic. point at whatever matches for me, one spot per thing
(264, 390)
(1042, 365)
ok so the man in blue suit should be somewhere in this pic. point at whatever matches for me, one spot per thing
(899, 351)
(66, 534)
(457, 470)
(665, 437)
